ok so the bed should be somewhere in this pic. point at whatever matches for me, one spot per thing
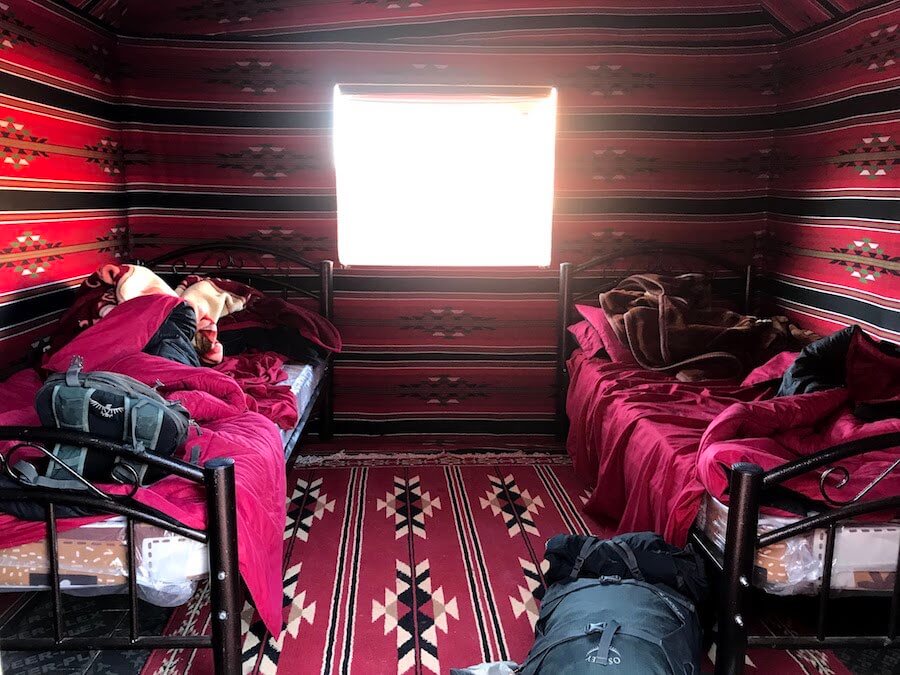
(136, 548)
(826, 551)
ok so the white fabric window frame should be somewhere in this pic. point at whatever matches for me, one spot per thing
(444, 176)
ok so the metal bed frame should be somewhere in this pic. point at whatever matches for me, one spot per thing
(749, 486)
(266, 269)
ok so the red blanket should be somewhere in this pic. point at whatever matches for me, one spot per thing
(652, 446)
(229, 429)
(770, 433)
(634, 434)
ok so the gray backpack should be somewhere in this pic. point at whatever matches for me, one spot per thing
(111, 406)
(614, 626)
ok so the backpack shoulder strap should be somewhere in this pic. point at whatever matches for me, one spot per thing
(28, 474)
(74, 371)
(590, 545)
(627, 554)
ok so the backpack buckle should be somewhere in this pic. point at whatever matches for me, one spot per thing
(74, 370)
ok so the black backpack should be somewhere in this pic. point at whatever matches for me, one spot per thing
(629, 555)
(111, 406)
(604, 615)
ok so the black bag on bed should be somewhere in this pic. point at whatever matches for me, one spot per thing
(111, 406)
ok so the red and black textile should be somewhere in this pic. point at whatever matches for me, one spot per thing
(233, 137)
(418, 567)
(61, 168)
(680, 120)
(834, 212)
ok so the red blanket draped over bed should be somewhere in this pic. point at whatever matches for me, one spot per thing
(228, 428)
(651, 446)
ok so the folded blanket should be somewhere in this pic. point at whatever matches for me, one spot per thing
(671, 324)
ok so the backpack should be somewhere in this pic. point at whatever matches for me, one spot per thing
(614, 624)
(644, 553)
(111, 406)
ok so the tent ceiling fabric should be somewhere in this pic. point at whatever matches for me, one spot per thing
(583, 22)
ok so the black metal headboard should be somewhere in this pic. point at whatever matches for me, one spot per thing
(257, 265)
(263, 267)
(603, 272)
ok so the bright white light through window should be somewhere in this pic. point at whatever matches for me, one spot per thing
(444, 177)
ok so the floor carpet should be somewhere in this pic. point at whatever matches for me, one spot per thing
(405, 564)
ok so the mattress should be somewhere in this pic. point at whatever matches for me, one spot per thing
(865, 554)
(93, 558)
(303, 379)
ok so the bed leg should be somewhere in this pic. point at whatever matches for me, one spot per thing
(562, 347)
(326, 407)
(740, 551)
(326, 308)
(225, 585)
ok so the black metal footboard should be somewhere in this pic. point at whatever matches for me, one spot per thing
(749, 486)
(220, 538)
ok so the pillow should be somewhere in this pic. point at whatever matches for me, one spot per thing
(617, 351)
(587, 337)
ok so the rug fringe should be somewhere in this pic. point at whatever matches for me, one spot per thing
(425, 458)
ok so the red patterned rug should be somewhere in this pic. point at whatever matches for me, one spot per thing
(417, 567)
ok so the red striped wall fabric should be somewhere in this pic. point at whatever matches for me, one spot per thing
(244, 147)
(680, 120)
(835, 214)
(62, 189)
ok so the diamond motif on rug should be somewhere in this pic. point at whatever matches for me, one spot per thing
(516, 506)
(406, 611)
(307, 504)
(526, 603)
(255, 632)
(409, 506)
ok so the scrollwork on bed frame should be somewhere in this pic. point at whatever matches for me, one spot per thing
(844, 479)
(749, 485)
(602, 274)
(256, 265)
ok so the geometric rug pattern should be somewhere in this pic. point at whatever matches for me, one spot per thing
(416, 568)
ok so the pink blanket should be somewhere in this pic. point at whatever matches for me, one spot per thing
(651, 446)
(229, 428)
